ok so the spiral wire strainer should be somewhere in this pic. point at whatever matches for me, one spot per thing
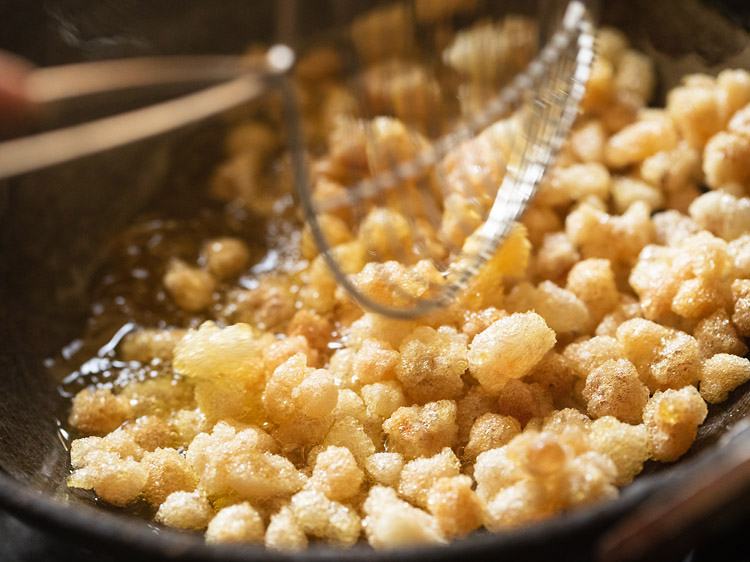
(404, 192)
(546, 94)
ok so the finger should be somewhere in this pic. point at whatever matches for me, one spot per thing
(13, 74)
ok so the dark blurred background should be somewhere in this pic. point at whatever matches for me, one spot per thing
(54, 31)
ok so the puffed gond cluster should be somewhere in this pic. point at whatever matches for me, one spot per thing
(590, 343)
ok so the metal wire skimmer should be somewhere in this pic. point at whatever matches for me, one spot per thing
(408, 192)
(403, 201)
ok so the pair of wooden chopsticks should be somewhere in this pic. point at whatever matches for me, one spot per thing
(232, 82)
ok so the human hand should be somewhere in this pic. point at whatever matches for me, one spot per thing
(13, 100)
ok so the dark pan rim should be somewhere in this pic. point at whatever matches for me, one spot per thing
(97, 528)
